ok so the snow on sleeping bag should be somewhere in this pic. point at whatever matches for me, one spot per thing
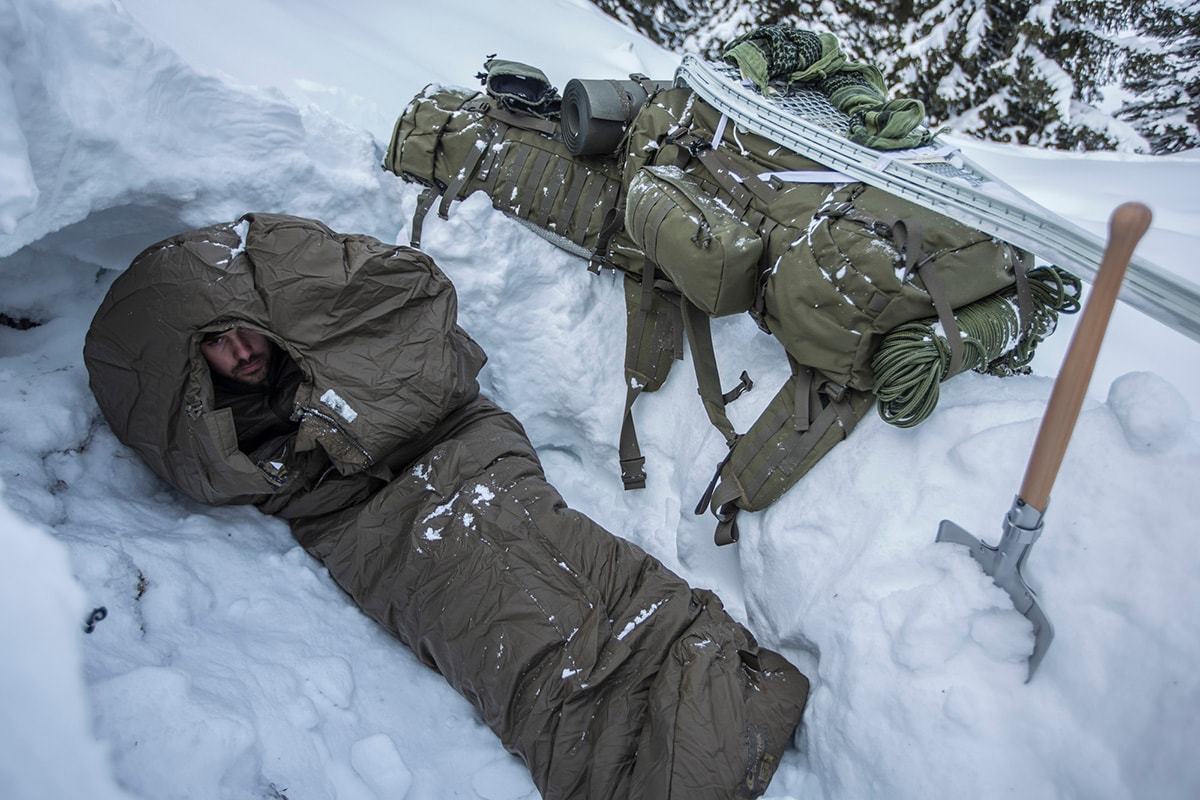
(599, 667)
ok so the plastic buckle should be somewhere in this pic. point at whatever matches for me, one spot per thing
(633, 472)
(697, 147)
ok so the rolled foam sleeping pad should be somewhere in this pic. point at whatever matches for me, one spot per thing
(595, 113)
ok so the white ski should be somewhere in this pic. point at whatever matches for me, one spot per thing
(941, 180)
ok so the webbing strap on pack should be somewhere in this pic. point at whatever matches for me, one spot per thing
(805, 176)
(633, 463)
(611, 224)
(466, 171)
(708, 380)
(906, 233)
(654, 329)
(536, 195)
(424, 203)
(570, 204)
(552, 189)
(530, 123)
(806, 418)
(741, 187)
(1024, 290)
(654, 341)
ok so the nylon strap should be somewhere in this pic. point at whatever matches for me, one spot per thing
(779, 432)
(801, 408)
(591, 202)
(727, 529)
(570, 204)
(708, 381)
(608, 200)
(725, 171)
(806, 176)
(644, 368)
(529, 123)
(647, 222)
(610, 224)
(487, 171)
(465, 172)
(591, 197)
(532, 184)
(552, 189)
(906, 233)
(633, 463)
(521, 153)
(424, 203)
(1024, 291)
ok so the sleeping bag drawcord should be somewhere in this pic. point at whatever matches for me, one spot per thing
(914, 358)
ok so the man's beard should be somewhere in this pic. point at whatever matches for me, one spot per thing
(253, 371)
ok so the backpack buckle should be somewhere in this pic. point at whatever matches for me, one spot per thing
(633, 472)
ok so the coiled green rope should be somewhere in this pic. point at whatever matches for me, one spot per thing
(913, 359)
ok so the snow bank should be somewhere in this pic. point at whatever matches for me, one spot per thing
(49, 746)
(128, 141)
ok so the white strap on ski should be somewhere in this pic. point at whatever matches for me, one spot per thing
(807, 176)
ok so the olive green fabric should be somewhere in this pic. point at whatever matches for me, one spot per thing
(808, 416)
(835, 293)
(792, 55)
(706, 251)
(604, 671)
(675, 133)
(837, 271)
(708, 217)
(676, 129)
(599, 667)
(363, 395)
(833, 276)
(457, 143)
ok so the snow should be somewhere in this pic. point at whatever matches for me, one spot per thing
(229, 665)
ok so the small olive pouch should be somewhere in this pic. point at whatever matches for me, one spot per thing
(520, 88)
(706, 251)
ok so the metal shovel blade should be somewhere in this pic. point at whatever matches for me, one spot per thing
(1003, 564)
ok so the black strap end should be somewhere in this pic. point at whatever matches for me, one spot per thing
(727, 530)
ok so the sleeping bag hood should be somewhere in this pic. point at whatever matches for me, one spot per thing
(372, 327)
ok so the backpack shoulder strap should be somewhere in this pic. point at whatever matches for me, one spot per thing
(653, 341)
(708, 380)
(806, 418)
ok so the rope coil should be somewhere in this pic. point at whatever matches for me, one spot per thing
(914, 358)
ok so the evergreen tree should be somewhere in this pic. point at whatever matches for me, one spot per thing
(1025, 71)
(1163, 75)
(706, 28)
(667, 22)
(1013, 70)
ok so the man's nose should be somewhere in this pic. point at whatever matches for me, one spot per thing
(240, 346)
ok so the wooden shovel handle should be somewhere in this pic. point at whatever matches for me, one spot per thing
(1125, 228)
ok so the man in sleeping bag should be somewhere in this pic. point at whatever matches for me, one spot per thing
(323, 378)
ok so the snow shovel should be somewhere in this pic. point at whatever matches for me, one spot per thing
(1023, 525)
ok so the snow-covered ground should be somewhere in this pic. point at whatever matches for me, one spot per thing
(230, 666)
